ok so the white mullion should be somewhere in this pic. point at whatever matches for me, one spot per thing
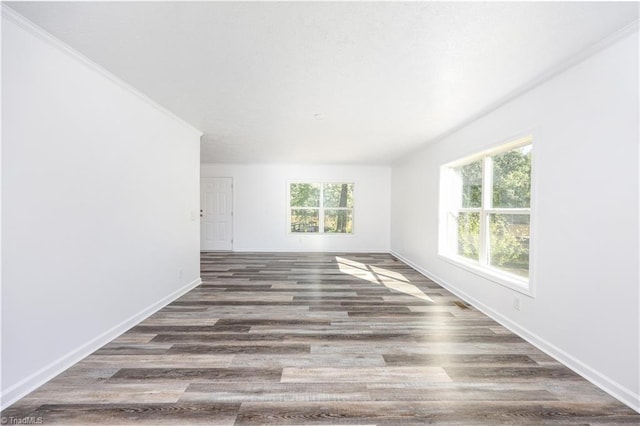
(487, 196)
(321, 210)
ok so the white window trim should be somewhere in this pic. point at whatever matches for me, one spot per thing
(321, 209)
(520, 284)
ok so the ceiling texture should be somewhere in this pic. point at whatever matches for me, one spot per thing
(328, 82)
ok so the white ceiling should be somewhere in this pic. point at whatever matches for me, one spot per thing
(384, 77)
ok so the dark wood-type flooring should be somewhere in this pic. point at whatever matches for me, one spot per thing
(353, 339)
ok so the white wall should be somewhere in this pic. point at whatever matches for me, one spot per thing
(99, 209)
(260, 206)
(585, 127)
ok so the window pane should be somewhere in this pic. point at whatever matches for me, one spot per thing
(305, 220)
(305, 195)
(338, 221)
(512, 178)
(471, 177)
(469, 235)
(338, 195)
(509, 243)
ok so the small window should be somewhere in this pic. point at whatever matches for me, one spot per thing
(321, 208)
(486, 210)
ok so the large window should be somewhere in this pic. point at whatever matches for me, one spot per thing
(325, 208)
(486, 210)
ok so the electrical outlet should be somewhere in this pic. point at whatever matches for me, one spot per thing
(516, 303)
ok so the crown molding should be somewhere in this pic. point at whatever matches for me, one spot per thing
(537, 81)
(29, 26)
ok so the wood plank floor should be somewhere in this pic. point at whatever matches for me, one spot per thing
(319, 339)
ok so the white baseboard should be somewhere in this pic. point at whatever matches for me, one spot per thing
(306, 250)
(40, 377)
(616, 390)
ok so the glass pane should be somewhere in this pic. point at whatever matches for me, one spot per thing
(512, 178)
(338, 195)
(305, 195)
(471, 177)
(338, 221)
(469, 235)
(509, 243)
(305, 220)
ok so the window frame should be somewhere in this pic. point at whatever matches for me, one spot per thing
(321, 208)
(447, 248)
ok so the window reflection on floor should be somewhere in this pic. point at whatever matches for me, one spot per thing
(390, 279)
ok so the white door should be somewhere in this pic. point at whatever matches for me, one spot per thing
(216, 214)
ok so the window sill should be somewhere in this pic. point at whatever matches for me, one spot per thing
(332, 234)
(513, 282)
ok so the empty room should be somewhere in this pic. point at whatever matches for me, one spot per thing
(323, 213)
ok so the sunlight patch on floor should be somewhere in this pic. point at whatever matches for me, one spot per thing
(374, 274)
